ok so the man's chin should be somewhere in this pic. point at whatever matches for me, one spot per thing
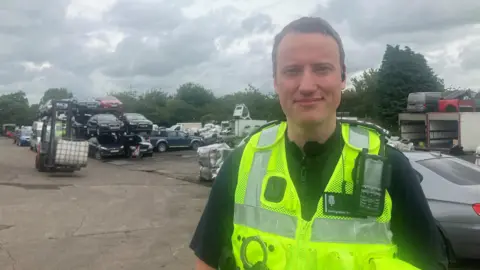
(311, 119)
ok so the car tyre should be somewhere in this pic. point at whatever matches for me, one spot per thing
(162, 147)
(98, 155)
(195, 145)
(40, 163)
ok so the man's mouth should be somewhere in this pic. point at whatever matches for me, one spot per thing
(309, 101)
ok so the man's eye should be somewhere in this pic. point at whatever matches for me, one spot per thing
(322, 70)
(292, 71)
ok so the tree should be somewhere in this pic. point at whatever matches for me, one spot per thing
(402, 72)
(129, 99)
(14, 108)
(55, 93)
(194, 94)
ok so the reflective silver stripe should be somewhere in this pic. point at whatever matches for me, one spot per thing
(259, 166)
(265, 220)
(358, 137)
(362, 231)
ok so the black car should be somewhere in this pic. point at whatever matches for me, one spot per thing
(105, 146)
(136, 122)
(104, 123)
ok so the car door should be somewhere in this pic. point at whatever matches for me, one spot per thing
(183, 139)
(173, 139)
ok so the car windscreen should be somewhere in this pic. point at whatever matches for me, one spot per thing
(416, 98)
(454, 170)
(106, 117)
(26, 132)
(135, 116)
(107, 140)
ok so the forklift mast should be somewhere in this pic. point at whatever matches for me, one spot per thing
(50, 117)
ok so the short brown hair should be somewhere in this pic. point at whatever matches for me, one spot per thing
(308, 25)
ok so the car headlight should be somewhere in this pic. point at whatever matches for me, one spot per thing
(121, 147)
(103, 148)
(150, 146)
(133, 147)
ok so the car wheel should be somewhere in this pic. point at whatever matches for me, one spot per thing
(98, 155)
(40, 163)
(195, 145)
(162, 147)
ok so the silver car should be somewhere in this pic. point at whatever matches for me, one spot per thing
(452, 188)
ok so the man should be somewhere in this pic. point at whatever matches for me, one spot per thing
(314, 193)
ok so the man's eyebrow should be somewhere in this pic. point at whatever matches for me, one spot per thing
(322, 64)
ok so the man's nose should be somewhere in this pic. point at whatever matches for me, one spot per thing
(307, 82)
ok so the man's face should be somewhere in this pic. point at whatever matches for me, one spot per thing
(308, 77)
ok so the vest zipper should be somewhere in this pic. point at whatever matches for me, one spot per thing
(304, 224)
(303, 170)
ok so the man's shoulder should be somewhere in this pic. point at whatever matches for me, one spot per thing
(395, 156)
(236, 155)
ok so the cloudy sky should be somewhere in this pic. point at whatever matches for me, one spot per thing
(96, 46)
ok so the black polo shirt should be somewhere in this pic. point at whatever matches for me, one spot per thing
(414, 229)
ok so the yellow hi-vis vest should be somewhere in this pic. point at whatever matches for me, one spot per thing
(60, 130)
(276, 234)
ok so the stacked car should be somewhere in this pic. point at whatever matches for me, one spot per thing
(109, 131)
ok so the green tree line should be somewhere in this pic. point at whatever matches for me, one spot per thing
(377, 95)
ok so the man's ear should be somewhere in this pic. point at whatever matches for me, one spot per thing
(344, 73)
(275, 85)
(344, 77)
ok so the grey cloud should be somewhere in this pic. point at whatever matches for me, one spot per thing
(470, 57)
(152, 17)
(258, 22)
(371, 19)
(38, 32)
(190, 43)
(180, 49)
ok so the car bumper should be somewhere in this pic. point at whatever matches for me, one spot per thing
(112, 153)
(465, 239)
(146, 151)
(24, 142)
(140, 128)
(109, 130)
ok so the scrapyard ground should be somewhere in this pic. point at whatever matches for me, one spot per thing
(106, 216)
(115, 214)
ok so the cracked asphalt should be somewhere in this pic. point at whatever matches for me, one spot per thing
(117, 214)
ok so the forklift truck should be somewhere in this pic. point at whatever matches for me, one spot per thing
(64, 153)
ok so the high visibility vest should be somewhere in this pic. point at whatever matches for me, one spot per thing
(59, 130)
(275, 232)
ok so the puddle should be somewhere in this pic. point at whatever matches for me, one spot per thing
(5, 227)
(36, 186)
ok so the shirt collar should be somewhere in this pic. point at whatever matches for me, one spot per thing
(315, 148)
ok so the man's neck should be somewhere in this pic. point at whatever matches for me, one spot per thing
(320, 132)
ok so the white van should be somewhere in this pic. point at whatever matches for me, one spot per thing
(422, 102)
(36, 134)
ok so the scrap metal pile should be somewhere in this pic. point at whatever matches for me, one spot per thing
(211, 158)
